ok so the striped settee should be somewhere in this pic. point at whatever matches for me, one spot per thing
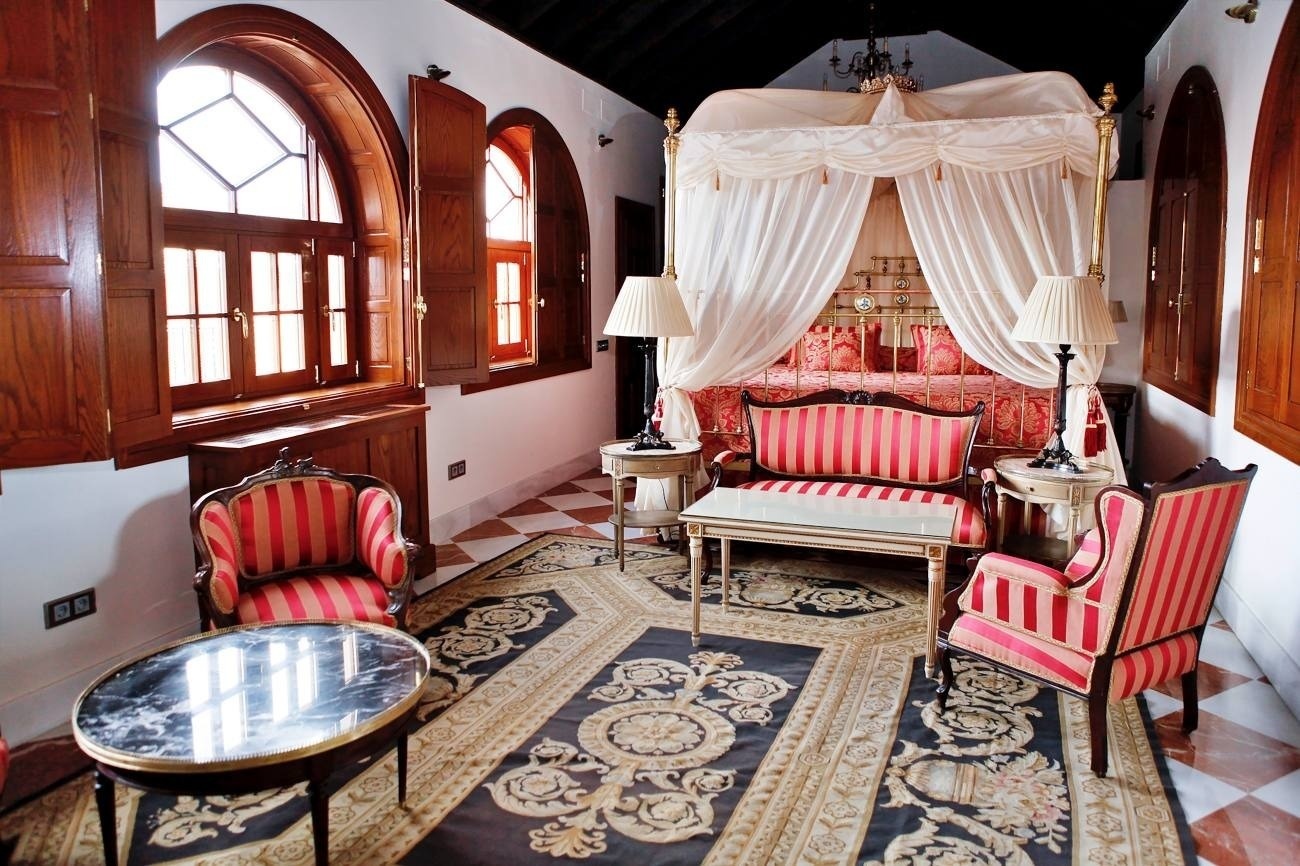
(1125, 614)
(298, 541)
(866, 445)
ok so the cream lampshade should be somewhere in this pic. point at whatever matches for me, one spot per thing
(649, 307)
(1068, 311)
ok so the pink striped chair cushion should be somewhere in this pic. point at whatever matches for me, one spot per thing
(1112, 552)
(871, 441)
(1188, 544)
(218, 532)
(1023, 652)
(1034, 600)
(377, 539)
(317, 596)
(967, 531)
(1152, 665)
(294, 523)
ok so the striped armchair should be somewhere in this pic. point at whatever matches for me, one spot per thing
(298, 541)
(1125, 614)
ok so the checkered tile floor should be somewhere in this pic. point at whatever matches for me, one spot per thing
(1237, 775)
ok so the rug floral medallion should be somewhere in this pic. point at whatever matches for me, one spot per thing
(569, 719)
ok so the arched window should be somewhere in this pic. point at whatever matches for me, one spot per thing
(259, 259)
(538, 249)
(510, 248)
(1185, 277)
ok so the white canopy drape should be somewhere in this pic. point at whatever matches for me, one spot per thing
(996, 182)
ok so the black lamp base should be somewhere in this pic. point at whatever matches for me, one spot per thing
(1055, 456)
(650, 440)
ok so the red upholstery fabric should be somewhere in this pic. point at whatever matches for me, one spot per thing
(872, 441)
(1152, 665)
(316, 596)
(377, 542)
(968, 529)
(1176, 580)
(938, 353)
(4, 762)
(841, 348)
(294, 523)
(1023, 652)
(218, 534)
(906, 358)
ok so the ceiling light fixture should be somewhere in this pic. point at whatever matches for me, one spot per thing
(875, 69)
(1244, 11)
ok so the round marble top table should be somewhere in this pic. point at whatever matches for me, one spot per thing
(249, 708)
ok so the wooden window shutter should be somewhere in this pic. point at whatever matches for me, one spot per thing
(131, 212)
(562, 253)
(52, 402)
(448, 138)
(1268, 377)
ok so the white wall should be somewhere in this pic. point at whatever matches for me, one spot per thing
(1126, 231)
(1260, 597)
(126, 533)
(940, 60)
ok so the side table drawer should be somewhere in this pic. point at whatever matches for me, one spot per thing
(1034, 487)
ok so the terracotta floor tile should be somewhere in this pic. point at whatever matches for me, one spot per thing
(1228, 751)
(1210, 680)
(594, 514)
(451, 554)
(1248, 831)
(528, 506)
(493, 528)
(566, 487)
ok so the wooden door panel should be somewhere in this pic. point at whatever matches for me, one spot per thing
(32, 187)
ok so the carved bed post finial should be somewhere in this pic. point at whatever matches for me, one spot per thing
(671, 143)
(1105, 131)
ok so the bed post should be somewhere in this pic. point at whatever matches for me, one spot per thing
(1105, 130)
(671, 144)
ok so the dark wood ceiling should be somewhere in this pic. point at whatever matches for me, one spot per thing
(661, 53)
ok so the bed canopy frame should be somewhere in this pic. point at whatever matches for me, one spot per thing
(1001, 180)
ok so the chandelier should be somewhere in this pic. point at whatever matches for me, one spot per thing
(875, 69)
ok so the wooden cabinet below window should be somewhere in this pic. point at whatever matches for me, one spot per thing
(388, 442)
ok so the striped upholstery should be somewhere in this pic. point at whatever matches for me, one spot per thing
(4, 762)
(1023, 652)
(294, 523)
(377, 543)
(316, 596)
(1152, 665)
(217, 534)
(1176, 580)
(881, 442)
(967, 531)
(1074, 608)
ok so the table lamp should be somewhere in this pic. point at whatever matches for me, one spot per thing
(649, 307)
(1068, 311)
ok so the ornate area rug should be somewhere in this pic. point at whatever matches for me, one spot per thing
(570, 719)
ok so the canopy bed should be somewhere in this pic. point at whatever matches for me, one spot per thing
(885, 242)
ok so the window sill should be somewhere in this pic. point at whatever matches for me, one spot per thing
(530, 373)
(245, 416)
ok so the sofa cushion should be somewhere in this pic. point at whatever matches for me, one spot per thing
(968, 530)
(316, 596)
(838, 349)
(937, 352)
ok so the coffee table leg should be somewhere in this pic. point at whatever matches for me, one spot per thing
(934, 596)
(320, 820)
(726, 573)
(401, 768)
(697, 556)
(107, 816)
(619, 518)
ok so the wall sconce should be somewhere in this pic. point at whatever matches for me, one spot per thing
(436, 72)
(1244, 11)
(603, 139)
(1148, 113)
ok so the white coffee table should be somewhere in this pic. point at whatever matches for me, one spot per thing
(873, 526)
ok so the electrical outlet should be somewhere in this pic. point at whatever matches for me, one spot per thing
(70, 607)
(602, 345)
(455, 470)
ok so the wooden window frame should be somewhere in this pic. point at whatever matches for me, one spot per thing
(1268, 361)
(372, 173)
(1184, 293)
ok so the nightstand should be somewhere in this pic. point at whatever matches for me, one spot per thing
(1041, 486)
(618, 461)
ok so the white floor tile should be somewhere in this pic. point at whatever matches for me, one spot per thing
(1215, 616)
(609, 530)
(1221, 648)
(440, 576)
(604, 483)
(541, 522)
(1284, 793)
(483, 549)
(574, 500)
(1257, 706)
(1160, 704)
(1199, 793)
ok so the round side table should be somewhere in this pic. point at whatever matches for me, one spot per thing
(1042, 486)
(619, 461)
